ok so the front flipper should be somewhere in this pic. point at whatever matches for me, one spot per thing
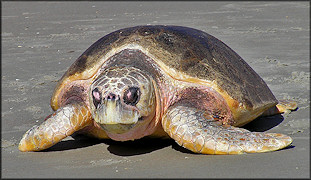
(62, 123)
(201, 133)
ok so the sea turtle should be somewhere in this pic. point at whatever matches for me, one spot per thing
(162, 81)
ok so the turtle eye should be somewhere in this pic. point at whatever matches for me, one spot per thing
(96, 97)
(131, 96)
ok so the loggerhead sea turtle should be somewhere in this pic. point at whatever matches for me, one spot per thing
(162, 81)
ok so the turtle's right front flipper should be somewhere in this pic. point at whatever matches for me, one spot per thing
(200, 132)
(62, 123)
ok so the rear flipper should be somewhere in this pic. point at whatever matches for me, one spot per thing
(62, 123)
(284, 106)
(201, 133)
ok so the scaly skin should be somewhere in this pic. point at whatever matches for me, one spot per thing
(199, 132)
(62, 123)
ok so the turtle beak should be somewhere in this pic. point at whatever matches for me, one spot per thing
(114, 117)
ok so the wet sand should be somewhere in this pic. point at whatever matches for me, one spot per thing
(40, 40)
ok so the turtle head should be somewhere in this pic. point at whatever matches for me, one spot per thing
(122, 99)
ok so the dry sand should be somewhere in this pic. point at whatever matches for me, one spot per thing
(40, 40)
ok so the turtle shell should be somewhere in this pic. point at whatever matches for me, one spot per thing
(185, 54)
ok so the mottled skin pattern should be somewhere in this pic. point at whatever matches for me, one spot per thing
(162, 81)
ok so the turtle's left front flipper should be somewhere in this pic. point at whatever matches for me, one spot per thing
(199, 132)
(62, 123)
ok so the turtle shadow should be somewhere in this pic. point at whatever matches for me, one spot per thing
(79, 141)
(138, 147)
(288, 147)
(181, 149)
(127, 148)
(264, 123)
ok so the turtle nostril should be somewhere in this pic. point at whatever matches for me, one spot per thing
(111, 97)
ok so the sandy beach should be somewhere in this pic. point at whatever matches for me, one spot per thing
(40, 40)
